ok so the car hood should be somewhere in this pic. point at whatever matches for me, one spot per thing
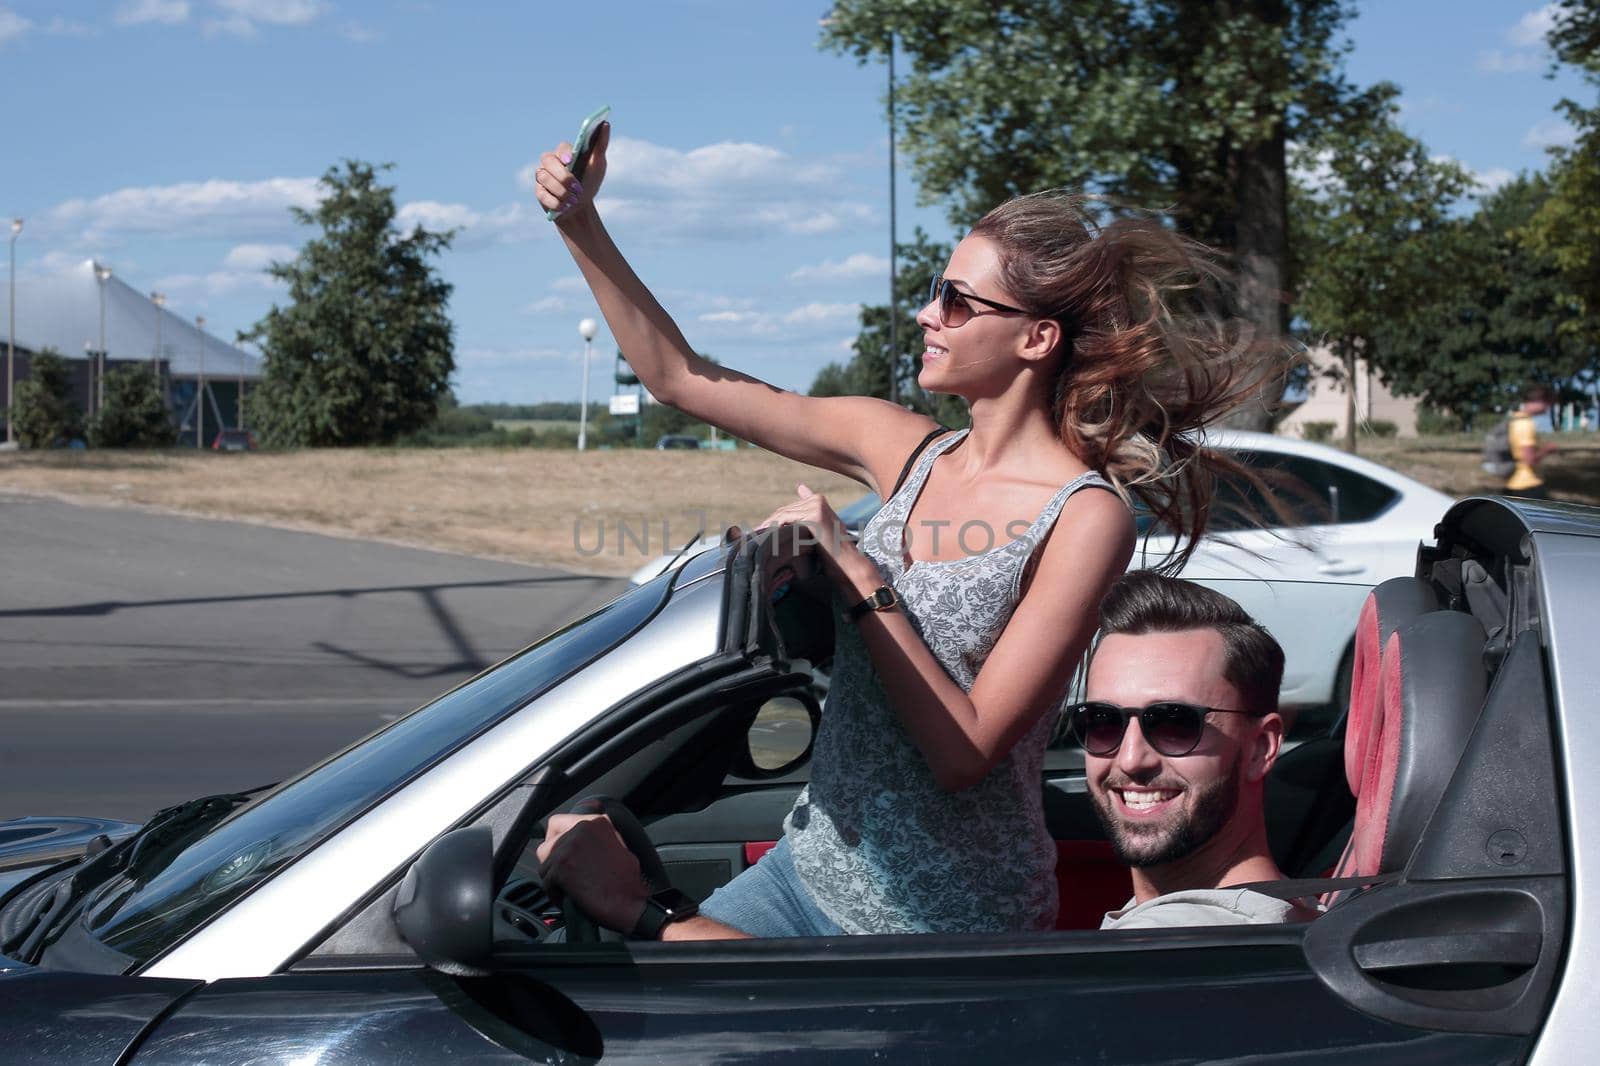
(29, 843)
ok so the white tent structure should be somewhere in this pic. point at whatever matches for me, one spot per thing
(63, 311)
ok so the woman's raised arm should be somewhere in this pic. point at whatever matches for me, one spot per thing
(860, 437)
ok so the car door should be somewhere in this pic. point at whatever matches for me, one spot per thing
(1169, 996)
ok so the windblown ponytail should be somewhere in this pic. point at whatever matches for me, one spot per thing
(1154, 354)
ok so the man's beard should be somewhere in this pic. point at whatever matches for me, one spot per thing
(1141, 845)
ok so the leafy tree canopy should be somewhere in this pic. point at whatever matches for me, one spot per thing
(1188, 103)
(44, 412)
(1567, 225)
(134, 415)
(1497, 320)
(1368, 212)
(363, 352)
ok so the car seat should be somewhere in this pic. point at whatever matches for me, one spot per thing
(1410, 719)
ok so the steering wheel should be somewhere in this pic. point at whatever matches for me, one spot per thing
(582, 929)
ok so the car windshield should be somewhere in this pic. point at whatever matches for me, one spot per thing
(143, 920)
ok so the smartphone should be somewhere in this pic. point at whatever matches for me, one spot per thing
(581, 145)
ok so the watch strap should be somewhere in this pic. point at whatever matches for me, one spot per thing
(661, 910)
(882, 598)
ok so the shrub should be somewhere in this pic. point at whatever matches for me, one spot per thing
(135, 415)
(43, 410)
(1432, 422)
(1318, 431)
(1379, 427)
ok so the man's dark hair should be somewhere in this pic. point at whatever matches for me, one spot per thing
(1143, 601)
(1539, 394)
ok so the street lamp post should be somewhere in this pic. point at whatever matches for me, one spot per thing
(11, 334)
(894, 297)
(200, 391)
(103, 273)
(586, 330)
(160, 300)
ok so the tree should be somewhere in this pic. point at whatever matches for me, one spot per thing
(134, 415)
(1498, 322)
(1567, 226)
(1365, 226)
(44, 413)
(1184, 102)
(867, 371)
(363, 353)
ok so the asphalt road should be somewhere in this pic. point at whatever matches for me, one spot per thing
(147, 658)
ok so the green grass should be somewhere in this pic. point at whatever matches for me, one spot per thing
(538, 425)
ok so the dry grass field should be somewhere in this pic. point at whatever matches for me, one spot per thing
(526, 504)
(599, 512)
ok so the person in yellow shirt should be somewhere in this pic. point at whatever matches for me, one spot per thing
(1526, 451)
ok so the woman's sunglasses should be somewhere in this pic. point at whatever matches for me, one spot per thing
(955, 306)
(1170, 727)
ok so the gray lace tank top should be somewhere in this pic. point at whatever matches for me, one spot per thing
(878, 844)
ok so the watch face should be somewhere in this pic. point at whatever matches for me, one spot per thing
(677, 904)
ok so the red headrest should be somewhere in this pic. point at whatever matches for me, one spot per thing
(1394, 603)
(1431, 689)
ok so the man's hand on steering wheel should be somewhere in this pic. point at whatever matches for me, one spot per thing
(584, 857)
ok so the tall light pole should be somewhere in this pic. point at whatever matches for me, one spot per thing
(586, 330)
(160, 300)
(103, 273)
(894, 296)
(11, 328)
(200, 391)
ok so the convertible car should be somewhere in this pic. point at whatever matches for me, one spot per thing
(380, 908)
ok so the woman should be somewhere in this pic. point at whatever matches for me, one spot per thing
(1087, 360)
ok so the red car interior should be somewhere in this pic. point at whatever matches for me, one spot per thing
(1413, 708)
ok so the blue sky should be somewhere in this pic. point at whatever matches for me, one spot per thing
(748, 179)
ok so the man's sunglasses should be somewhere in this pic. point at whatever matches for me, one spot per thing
(955, 306)
(1170, 727)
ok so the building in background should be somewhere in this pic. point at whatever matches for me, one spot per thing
(62, 311)
(1325, 400)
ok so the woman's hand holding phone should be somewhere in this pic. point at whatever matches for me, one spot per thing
(561, 191)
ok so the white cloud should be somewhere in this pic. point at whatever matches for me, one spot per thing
(800, 322)
(138, 12)
(860, 265)
(257, 256)
(725, 191)
(1493, 177)
(1531, 29)
(814, 313)
(12, 25)
(241, 18)
(216, 208)
(1550, 133)
(430, 214)
(1498, 62)
(274, 12)
(199, 288)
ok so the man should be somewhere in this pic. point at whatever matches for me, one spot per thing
(1180, 728)
(1523, 439)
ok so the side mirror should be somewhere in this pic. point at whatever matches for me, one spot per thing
(779, 739)
(444, 907)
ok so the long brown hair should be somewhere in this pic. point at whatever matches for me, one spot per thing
(1153, 354)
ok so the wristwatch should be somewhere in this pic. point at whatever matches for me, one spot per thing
(882, 598)
(661, 910)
